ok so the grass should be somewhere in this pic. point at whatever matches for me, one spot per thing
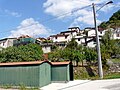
(23, 87)
(20, 87)
(112, 76)
(34, 88)
(81, 73)
(7, 86)
(115, 60)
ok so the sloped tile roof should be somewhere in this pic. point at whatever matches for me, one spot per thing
(32, 63)
(21, 63)
(60, 63)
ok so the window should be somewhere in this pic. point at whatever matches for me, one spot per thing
(65, 37)
(56, 37)
(94, 43)
(118, 35)
(3, 43)
(78, 39)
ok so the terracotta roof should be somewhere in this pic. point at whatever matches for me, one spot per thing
(58, 35)
(41, 39)
(33, 63)
(74, 28)
(24, 36)
(60, 63)
(21, 63)
(100, 29)
(89, 28)
(69, 31)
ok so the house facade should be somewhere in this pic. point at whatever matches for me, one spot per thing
(80, 39)
(6, 42)
(90, 38)
(23, 40)
(86, 37)
(116, 33)
(60, 38)
(65, 36)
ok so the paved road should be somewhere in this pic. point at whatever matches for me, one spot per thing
(113, 84)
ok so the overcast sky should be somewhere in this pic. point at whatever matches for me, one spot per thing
(41, 18)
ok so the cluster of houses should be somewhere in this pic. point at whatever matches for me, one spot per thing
(41, 73)
(86, 37)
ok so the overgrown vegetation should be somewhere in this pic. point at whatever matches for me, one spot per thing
(73, 52)
(20, 87)
(77, 53)
(113, 22)
(29, 52)
(82, 73)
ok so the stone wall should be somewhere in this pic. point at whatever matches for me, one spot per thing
(115, 67)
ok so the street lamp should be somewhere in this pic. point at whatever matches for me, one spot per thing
(104, 5)
(100, 70)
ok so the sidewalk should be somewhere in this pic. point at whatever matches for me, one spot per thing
(111, 84)
(60, 86)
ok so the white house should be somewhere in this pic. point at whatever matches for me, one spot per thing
(86, 37)
(65, 36)
(46, 47)
(91, 32)
(60, 38)
(70, 33)
(116, 33)
(80, 39)
(91, 36)
(74, 28)
(7, 42)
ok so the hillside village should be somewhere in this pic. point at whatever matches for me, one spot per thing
(86, 37)
(60, 45)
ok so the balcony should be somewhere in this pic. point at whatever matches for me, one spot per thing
(23, 41)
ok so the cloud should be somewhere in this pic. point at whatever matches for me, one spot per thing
(30, 27)
(59, 7)
(12, 13)
(84, 17)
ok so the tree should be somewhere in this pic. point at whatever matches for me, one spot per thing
(73, 55)
(90, 54)
(76, 51)
(113, 22)
(66, 54)
(81, 53)
(108, 45)
(29, 52)
(103, 25)
(54, 56)
(115, 19)
(72, 44)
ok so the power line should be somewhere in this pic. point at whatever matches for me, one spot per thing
(54, 18)
(58, 16)
(61, 15)
(114, 5)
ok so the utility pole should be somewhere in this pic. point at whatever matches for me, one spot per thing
(100, 70)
